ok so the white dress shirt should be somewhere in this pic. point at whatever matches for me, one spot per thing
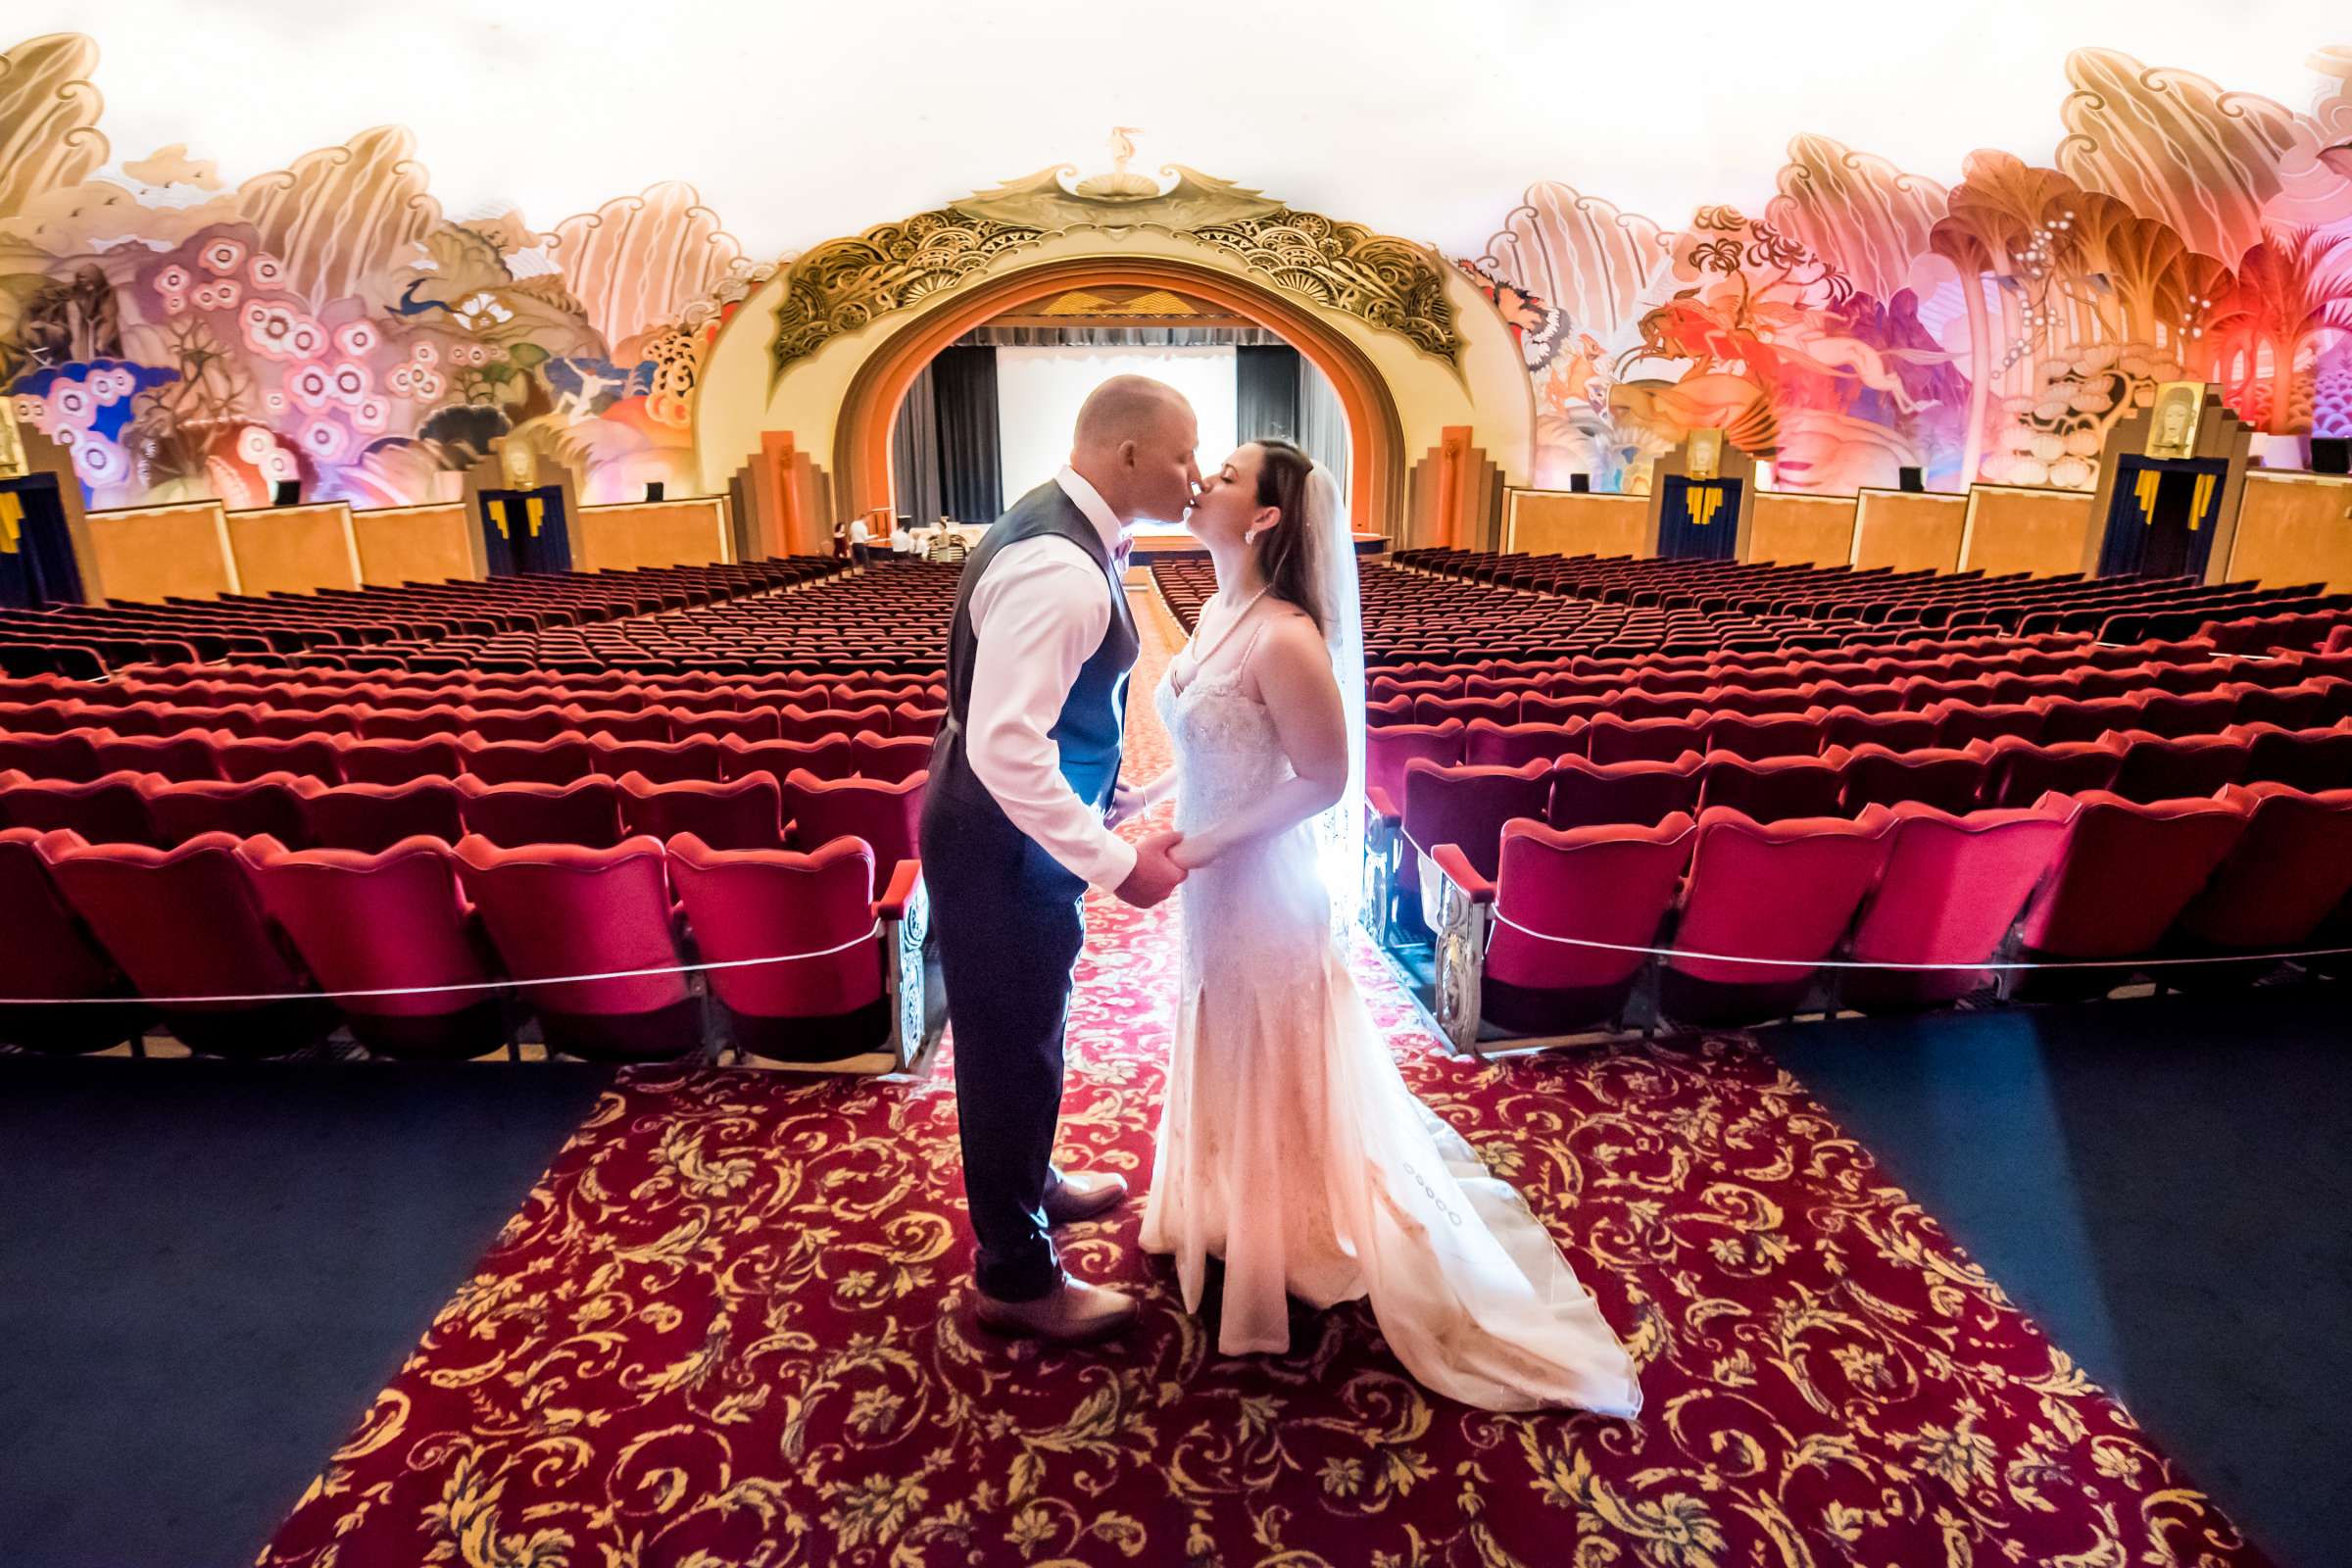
(860, 534)
(1039, 612)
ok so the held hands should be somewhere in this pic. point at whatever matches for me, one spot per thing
(1156, 873)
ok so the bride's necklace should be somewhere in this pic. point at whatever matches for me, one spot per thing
(1201, 655)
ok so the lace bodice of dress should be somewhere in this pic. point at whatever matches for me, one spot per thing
(1226, 748)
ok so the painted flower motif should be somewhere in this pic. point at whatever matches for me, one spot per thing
(72, 405)
(221, 295)
(470, 354)
(312, 386)
(275, 401)
(324, 440)
(99, 460)
(424, 351)
(349, 382)
(357, 338)
(173, 279)
(255, 444)
(371, 414)
(222, 257)
(110, 384)
(31, 408)
(279, 331)
(279, 464)
(267, 270)
(402, 382)
(430, 385)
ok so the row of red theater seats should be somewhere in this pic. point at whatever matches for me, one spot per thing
(2257, 870)
(786, 721)
(480, 692)
(1607, 738)
(1433, 802)
(2327, 631)
(1580, 676)
(191, 755)
(768, 721)
(759, 812)
(221, 915)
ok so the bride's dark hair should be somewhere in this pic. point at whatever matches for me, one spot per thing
(1287, 553)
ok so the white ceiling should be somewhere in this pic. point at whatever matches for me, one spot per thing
(798, 121)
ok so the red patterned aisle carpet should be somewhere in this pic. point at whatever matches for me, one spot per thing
(732, 1329)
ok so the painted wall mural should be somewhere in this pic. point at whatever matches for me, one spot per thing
(1868, 318)
(328, 322)
(331, 323)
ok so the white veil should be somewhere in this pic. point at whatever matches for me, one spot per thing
(1339, 832)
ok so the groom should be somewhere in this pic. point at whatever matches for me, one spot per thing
(1016, 825)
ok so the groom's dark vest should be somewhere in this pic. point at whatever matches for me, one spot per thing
(1090, 729)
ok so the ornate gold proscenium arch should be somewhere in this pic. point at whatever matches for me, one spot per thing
(806, 378)
(845, 284)
(861, 439)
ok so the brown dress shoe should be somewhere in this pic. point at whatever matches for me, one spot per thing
(1073, 1313)
(1082, 1194)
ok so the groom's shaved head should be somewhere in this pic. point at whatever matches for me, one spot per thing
(1126, 408)
(1134, 444)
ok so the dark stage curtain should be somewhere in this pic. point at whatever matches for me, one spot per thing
(1266, 392)
(963, 394)
(914, 453)
(37, 569)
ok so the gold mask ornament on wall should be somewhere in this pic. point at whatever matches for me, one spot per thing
(13, 464)
(2173, 423)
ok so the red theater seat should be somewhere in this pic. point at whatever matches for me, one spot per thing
(758, 904)
(373, 818)
(2155, 768)
(745, 814)
(245, 756)
(1388, 750)
(1487, 743)
(1951, 886)
(888, 757)
(698, 757)
(397, 762)
(1466, 807)
(186, 922)
(1596, 884)
(2286, 873)
(2018, 774)
(2307, 759)
(187, 756)
(391, 922)
(887, 816)
(111, 809)
(2125, 873)
(275, 805)
(1772, 789)
(556, 910)
(71, 756)
(1873, 775)
(1589, 794)
(49, 956)
(1610, 738)
(584, 813)
(829, 758)
(1782, 891)
(559, 761)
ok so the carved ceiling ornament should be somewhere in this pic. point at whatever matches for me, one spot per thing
(844, 284)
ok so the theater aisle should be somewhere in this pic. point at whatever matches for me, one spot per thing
(736, 1312)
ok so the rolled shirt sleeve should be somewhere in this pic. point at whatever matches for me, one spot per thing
(1037, 617)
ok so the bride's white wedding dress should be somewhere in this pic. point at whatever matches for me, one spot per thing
(1290, 1145)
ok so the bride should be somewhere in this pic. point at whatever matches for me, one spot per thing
(1288, 1145)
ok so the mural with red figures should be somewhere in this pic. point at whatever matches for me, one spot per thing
(328, 322)
(1868, 318)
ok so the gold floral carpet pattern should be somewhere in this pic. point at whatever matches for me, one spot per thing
(732, 1329)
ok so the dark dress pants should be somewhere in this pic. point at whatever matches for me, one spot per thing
(1010, 928)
